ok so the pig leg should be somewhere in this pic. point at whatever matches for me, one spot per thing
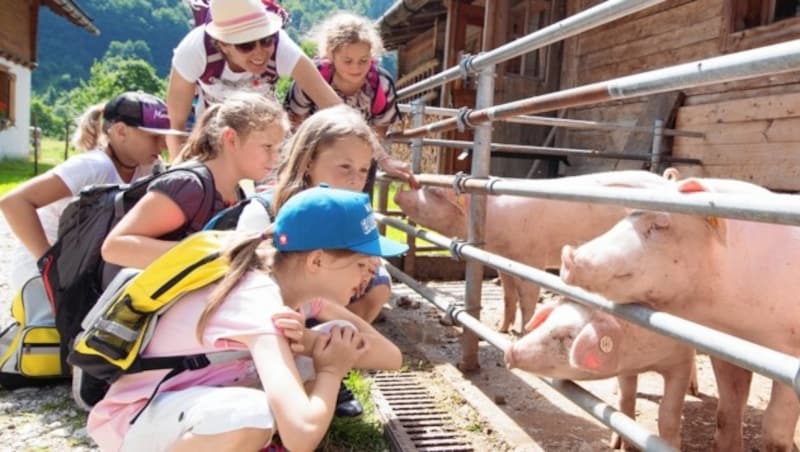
(627, 405)
(694, 386)
(676, 382)
(528, 297)
(733, 386)
(780, 419)
(510, 299)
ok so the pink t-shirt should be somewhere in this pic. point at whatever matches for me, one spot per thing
(248, 309)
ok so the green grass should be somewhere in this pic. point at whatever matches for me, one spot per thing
(363, 433)
(15, 171)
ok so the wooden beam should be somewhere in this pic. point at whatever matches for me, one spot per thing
(34, 24)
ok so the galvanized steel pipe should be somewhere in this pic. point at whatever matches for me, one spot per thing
(560, 122)
(606, 414)
(770, 363)
(752, 63)
(775, 208)
(595, 16)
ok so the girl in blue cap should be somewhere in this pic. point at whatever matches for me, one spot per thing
(312, 259)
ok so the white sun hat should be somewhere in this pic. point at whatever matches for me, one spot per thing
(239, 21)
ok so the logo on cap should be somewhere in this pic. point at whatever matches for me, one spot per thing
(283, 240)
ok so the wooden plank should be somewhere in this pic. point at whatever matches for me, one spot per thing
(673, 39)
(785, 130)
(741, 110)
(772, 165)
(762, 86)
(653, 10)
(644, 63)
(664, 21)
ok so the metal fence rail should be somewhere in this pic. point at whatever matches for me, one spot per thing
(603, 13)
(558, 122)
(606, 414)
(752, 63)
(773, 364)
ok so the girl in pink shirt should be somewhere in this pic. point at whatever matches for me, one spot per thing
(312, 259)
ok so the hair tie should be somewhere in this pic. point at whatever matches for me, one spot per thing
(264, 236)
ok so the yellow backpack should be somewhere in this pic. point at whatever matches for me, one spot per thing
(122, 322)
(29, 346)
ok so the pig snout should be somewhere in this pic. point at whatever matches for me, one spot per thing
(567, 264)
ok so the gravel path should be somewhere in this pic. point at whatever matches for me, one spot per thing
(36, 419)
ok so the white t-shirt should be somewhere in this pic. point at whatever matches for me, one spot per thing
(84, 169)
(190, 60)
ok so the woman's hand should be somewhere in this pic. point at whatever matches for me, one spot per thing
(291, 324)
(337, 351)
(398, 169)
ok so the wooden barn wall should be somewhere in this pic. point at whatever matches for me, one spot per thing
(752, 128)
(15, 31)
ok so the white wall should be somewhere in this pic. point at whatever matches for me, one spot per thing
(14, 141)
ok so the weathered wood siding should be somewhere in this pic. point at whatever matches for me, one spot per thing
(15, 31)
(751, 127)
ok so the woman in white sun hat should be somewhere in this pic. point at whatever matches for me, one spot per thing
(242, 48)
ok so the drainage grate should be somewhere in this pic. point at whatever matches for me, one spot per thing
(413, 421)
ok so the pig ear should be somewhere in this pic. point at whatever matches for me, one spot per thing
(596, 347)
(541, 314)
(691, 185)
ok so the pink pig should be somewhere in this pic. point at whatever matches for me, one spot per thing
(736, 276)
(569, 341)
(529, 230)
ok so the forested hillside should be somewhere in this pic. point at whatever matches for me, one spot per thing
(147, 30)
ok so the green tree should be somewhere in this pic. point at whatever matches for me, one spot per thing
(111, 76)
(46, 117)
(129, 50)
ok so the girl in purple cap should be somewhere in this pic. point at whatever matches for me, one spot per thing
(121, 141)
(259, 306)
(243, 48)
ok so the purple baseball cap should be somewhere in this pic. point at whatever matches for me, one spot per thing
(141, 110)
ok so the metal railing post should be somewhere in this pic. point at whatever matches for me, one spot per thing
(417, 120)
(658, 136)
(481, 161)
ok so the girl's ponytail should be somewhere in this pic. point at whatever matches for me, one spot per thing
(91, 131)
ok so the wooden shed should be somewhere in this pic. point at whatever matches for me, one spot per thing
(19, 28)
(751, 127)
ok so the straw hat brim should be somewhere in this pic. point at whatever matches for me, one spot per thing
(262, 27)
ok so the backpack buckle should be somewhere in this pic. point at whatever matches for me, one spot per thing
(195, 362)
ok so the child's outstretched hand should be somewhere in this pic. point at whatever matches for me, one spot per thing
(291, 324)
(337, 351)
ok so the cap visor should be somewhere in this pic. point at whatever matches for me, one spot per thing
(164, 131)
(382, 247)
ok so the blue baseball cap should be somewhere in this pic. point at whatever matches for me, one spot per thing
(331, 219)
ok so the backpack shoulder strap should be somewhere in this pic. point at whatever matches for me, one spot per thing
(379, 99)
(215, 61)
(325, 68)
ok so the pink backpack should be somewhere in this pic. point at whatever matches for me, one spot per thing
(325, 67)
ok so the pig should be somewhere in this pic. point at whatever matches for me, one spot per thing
(528, 230)
(567, 340)
(736, 276)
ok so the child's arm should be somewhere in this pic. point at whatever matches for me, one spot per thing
(132, 242)
(382, 353)
(303, 419)
(19, 207)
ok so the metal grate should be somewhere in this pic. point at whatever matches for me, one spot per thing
(413, 421)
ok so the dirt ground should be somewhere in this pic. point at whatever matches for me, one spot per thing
(551, 421)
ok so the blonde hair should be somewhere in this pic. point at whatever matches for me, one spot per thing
(92, 130)
(255, 252)
(242, 112)
(345, 28)
(322, 128)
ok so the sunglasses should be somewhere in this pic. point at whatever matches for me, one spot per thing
(247, 47)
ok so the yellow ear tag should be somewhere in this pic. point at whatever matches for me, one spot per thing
(461, 201)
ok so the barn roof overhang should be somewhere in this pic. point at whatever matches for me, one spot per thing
(70, 10)
(406, 19)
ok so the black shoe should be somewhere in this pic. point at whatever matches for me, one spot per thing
(346, 404)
